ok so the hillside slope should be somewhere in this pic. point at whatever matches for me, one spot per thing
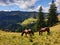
(10, 38)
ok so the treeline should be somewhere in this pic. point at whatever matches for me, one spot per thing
(16, 27)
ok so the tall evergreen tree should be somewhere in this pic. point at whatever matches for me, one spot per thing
(40, 19)
(52, 16)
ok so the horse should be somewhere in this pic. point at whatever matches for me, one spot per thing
(27, 31)
(44, 30)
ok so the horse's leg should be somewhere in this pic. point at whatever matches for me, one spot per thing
(39, 32)
(32, 33)
(22, 33)
(26, 34)
(48, 31)
(31, 40)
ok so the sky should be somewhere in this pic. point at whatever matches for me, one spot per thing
(27, 5)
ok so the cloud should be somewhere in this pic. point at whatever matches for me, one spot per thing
(46, 9)
(28, 5)
(58, 5)
(25, 4)
(57, 2)
(5, 10)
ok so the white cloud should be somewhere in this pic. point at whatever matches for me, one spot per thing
(28, 5)
(46, 9)
(5, 10)
(57, 2)
(25, 4)
(58, 5)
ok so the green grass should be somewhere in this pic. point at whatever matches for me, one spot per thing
(29, 21)
(10, 38)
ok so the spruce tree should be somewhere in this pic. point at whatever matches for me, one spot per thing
(52, 16)
(40, 19)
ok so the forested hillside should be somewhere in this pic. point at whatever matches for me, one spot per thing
(13, 20)
(8, 19)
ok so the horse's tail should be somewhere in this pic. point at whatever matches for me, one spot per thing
(22, 33)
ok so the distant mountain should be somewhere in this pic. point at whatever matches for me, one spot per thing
(8, 18)
(14, 17)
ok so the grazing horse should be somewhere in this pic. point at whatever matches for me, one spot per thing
(28, 31)
(44, 30)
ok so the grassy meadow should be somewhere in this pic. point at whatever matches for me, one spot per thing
(11, 38)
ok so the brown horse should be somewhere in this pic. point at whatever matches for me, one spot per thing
(44, 30)
(27, 31)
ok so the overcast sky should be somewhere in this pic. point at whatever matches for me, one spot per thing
(27, 5)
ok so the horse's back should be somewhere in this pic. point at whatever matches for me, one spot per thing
(42, 28)
(45, 28)
(29, 29)
(25, 30)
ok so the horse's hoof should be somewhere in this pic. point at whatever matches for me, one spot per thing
(31, 40)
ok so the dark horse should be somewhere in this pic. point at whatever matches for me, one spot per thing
(44, 30)
(27, 31)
